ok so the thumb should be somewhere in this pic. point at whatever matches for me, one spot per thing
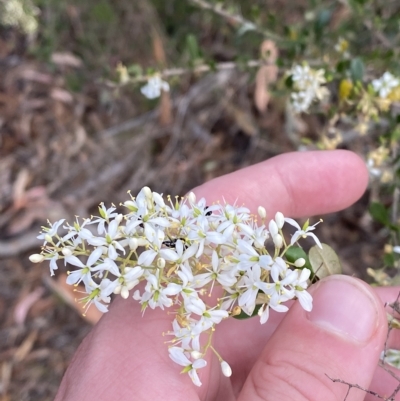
(342, 337)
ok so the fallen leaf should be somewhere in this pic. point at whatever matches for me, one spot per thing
(22, 308)
(25, 348)
(266, 75)
(66, 59)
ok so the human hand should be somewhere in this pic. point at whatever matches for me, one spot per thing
(289, 358)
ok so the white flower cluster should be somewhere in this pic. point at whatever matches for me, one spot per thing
(385, 84)
(180, 251)
(307, 84)
(22, 14)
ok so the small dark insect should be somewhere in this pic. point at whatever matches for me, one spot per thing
(172, 242)
(209, 213)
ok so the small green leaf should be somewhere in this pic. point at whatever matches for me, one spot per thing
(342, 66)
(247, 27)
(243, 316)
(379, 213)
(356, 69)
(325, 261)
(389, 259)
(289, 82)
(295, 252)
(192, 47)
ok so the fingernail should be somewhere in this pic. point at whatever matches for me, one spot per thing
(343, 305)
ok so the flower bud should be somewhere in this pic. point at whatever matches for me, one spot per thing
(280, 219)
(262, 212)
(192, 197)
(226, 369)
(158, 199)
(278, 240)
(161, 263)
(133, 244)
(36, 258)
(48, 238)
(119, 218)
(66, 252)
(196, 354)
(124, 292)
(147, 192)
(300, 262)
(273, 228)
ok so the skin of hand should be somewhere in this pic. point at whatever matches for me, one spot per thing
(290, 357)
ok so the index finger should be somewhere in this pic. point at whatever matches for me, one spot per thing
(297, 184)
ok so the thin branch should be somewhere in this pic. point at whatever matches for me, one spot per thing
(200, 69)
(236, 19)
(350, 385)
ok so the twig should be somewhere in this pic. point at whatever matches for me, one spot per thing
(200, 69)
(236, 19)
(228, 65)
(350, 385)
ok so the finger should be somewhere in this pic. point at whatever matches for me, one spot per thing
(296, 184)
(125, 357)
(341, 338)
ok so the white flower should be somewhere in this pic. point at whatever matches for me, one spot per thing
(105, 216)
(225, 278)
(99, 294)
(84, 273)
(178, 356)
(154, 86)
(303, 233)
(307, 84)
(51, 231)
(303, 296)
(110, 240)
(385, 84)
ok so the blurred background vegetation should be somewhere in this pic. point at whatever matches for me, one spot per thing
(74, 134)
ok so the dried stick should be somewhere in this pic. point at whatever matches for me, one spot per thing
(236, 19)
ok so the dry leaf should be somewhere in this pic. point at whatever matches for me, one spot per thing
(243, 119)
(66, 59)
(22, 308)
(19, 187)
(158, 48)
(25, 348)
(266, 75)
(61, 95)
(165, 116)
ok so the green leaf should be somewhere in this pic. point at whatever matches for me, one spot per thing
(193, 47)
(248, 27)
(379, 213)
(325, 261)
(389, 259)
(342, 66)
(356, 69)
(243, 316)
(295, 252)
(289, 82)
